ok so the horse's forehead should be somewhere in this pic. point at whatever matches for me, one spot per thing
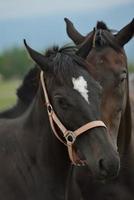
(80, 84)
(108, 58)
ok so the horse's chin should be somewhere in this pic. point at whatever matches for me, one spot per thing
(91, 173)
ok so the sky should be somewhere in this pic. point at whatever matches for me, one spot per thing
(26, 8)
(41, 22)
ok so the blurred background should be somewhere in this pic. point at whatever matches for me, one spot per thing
(41, 22)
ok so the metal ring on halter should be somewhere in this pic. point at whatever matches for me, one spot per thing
(70, 137)
(49, 109)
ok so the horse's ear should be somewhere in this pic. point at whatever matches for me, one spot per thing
(125, 34)
(87, 45)
(40, 59)
(73, 33)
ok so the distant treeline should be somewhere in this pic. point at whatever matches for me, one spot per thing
(14, 63)
(131, 67)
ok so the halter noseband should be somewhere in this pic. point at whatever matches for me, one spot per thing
(70, 136)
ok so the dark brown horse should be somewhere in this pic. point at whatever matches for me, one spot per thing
(34, 164)
(109, 67)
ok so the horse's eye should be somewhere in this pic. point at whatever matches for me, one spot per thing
(63, 103)
(123, 76)
(118, 110)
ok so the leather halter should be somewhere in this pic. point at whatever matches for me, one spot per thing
(70, 136)
(94, 37)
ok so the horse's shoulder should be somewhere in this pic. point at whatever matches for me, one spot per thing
(8, 130)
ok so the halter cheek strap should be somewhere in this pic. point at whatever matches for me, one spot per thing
(70, 136)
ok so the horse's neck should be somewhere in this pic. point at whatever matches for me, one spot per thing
(125, 130)
(15, 111)
(51, 155)
(132, 115)
(125, 142)
(126, 145)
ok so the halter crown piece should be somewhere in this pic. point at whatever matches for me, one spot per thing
(70, 136)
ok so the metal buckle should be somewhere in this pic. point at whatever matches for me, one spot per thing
(70, 137)
(49, 109)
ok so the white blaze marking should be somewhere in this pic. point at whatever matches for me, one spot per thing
(80, 84)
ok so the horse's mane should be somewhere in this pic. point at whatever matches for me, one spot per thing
(66, 49)
(105, 36)
(65, 61)
(102, 25)
(29, 86)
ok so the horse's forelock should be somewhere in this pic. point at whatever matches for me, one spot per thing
(66, 49)
(106, 38)
(29, 86)
(101, 25)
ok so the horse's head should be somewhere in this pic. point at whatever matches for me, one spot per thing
(76, 98)
(109, 67)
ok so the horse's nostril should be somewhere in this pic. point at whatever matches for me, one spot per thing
(103, 168)
(108, 169)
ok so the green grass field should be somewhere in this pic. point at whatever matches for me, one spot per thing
(8, 93)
